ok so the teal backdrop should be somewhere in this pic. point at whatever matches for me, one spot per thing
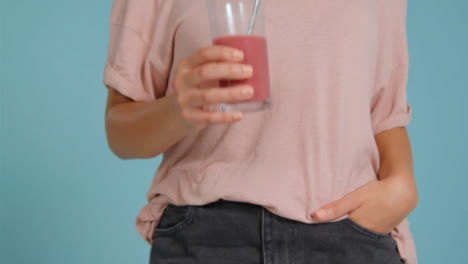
(65, 198)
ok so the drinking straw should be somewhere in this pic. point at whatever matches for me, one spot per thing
(254, 17)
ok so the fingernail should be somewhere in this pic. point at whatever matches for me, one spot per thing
(238, 116)
(247, 69)
(237, 69)
(321, 213)
(247, 91)
(237, 54)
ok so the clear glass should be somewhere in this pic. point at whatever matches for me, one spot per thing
(232, 23)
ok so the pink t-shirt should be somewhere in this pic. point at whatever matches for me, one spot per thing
(338, 77)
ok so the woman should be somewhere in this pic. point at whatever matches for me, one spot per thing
(323, 176)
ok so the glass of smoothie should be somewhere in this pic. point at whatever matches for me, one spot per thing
(240, 24)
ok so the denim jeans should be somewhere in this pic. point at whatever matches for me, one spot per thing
(232, 232)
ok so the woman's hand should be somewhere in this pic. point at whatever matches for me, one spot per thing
(204, 68)
(378, 205)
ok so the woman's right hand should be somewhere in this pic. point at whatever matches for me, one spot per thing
(207, 66)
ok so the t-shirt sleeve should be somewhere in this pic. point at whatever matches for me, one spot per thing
(139, 50)
(389, 105)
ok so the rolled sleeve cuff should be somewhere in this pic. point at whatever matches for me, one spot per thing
(401, 119)
(112, 79)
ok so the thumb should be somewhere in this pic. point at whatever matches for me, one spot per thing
(338, 208)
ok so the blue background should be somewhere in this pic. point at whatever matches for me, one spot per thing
(66, 199)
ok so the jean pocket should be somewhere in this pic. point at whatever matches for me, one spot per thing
(174, 219)
(366, 231)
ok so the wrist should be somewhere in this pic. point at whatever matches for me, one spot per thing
(178, 121)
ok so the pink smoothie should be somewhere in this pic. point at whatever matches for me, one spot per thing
(255, 54)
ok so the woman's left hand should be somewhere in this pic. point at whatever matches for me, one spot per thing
(378, 205)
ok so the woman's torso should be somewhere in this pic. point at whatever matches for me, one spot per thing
(314, 144)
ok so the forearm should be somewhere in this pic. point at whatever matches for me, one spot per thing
(396, 163)
(143, 130)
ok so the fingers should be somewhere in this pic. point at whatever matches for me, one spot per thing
(338, 208)
(218, 71)
(213, 53)
(212, 117)
(205, 68)
(217, 95)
